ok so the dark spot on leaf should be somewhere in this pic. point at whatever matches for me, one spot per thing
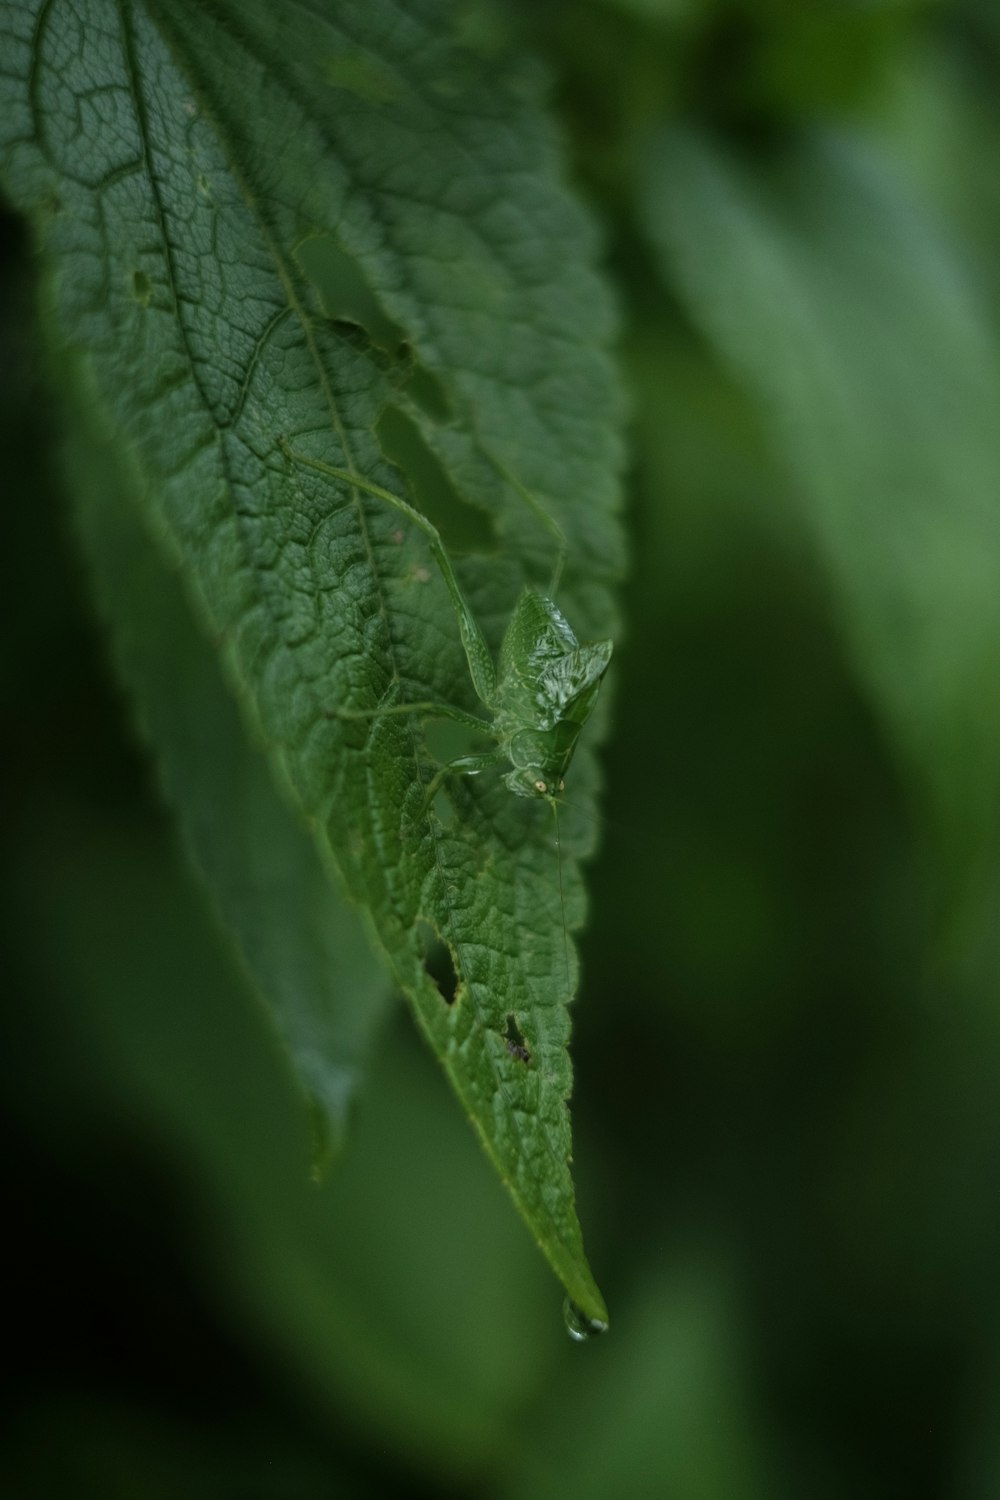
(514, 1038)
(464, 527)
(142, 288)
(439, 963)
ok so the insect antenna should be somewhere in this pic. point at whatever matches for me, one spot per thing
(562, 897)
(598, 819)
(538, 510)
(627, 831)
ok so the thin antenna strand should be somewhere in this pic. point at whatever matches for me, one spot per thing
(562, 898)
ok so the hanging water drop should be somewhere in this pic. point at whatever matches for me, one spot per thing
(578, 1325)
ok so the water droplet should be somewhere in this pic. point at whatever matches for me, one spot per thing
(578, 1325)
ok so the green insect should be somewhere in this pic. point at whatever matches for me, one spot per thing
(539, 695)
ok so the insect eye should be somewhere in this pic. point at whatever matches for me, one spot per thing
(540, 786)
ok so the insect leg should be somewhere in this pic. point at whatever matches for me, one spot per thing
(429, 710)
(463, 765)
(477, 652)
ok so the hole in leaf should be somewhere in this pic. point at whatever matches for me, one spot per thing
(514, 1038)
(464, 527)
(353, 334)
(444, 811)
(445, 739)
(344, 293)
(439, 963)
(429, 392)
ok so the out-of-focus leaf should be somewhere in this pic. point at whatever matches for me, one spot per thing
(668, 1408)
(399, 1296)
(224, 197)
(850, 316)
(302, 945)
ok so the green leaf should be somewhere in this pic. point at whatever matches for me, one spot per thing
(852, 320)
(174, 158)
(302, 945)
(399, 1297)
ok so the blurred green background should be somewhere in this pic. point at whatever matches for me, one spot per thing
(787, 1045)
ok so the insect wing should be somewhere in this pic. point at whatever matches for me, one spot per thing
(572, 682)
(537, 637)
(538, 634)
(546, 677)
